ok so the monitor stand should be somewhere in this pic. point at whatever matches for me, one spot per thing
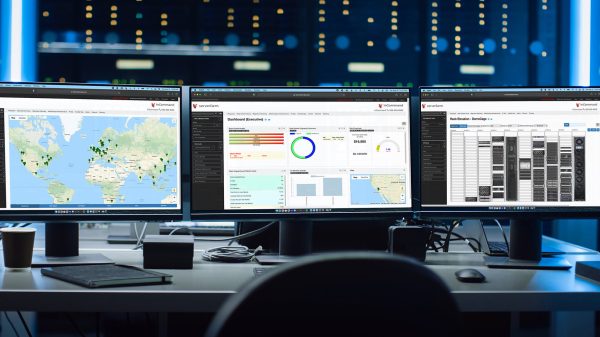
(62, 247)
(525, 249)
(295, 239)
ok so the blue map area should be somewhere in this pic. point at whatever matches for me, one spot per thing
(362, 192)
(69, 167)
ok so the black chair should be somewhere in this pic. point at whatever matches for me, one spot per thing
(341, 294)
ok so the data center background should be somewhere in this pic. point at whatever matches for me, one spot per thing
(299, 42)
(307, 42)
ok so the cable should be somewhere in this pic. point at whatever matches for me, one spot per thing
(230, 254)
(241, 236)
(11, 324)
(503, 235)
(24, 324)
(179, 228)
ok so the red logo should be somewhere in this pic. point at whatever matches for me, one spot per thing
(577, 104)
(423, 106)
(380, 106)
(153, 104)
(194, 105)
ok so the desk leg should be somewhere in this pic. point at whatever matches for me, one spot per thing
(573, 323)
(163, 328)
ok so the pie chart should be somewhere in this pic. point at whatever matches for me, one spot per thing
(303, 147)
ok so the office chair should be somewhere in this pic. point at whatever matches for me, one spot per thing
(341, 294)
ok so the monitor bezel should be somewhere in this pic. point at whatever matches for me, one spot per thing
(126, 215)
(452, 212)
(342, 214)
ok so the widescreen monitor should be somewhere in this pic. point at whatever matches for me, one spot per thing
(300, 152)
(510, 152)
(73, 152)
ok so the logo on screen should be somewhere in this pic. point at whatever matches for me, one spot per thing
(153, 104)
(423, 106)
(194, 105)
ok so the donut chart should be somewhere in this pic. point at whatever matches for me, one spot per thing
(300, 140)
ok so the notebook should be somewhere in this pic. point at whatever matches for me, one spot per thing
(106, 275)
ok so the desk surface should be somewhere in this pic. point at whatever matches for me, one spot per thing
(208, 284)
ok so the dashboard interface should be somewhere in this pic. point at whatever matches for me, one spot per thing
(300, 150)
(85, 150)
(514, 149)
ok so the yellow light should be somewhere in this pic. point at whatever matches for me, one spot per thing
(230, 25)
(481, 22)
(88, 32)
(113, 8)
(434, 38)
(457, 38)
(62, 80)
(505, 6)
(481, 15)
(255, 42)
(88, 39)
(138, 40)
(504, 39)
(394, 3)
(321, 35)
(504, 46)
(394, 20)
(434, 4)
(230, 17)
(433, 45)
(481, 5)
(346, 12)
(321, 42)
(370, 43)
(280, 42)
(139, 32)
(255, 18)
(46, 14)
(481, 53)
(113, 15)
(205, 41)
(321, 11)
(457, 28)
(113, 22)
(230, 10)
(394, 13)
(370, 20)
(434, 52)
(88, 15)
(457, 45)
(457, 5)
(164, 16)
(434, 28)
(164, 23)
(504, 16)
(544, 54)
(434, 21)
(321, 50)
(394, 27)
(89, 8)
(138, 47)
(481, 45)
(279, 11)
(457, 52)
(255, 25)
(321, 19)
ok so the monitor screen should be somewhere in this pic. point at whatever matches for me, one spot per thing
(510, 149)
(299, 151)
(89, 151)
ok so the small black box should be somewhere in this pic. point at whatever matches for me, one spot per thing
(409, 241)
(168, 251)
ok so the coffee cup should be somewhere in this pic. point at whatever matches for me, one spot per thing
(17, 244)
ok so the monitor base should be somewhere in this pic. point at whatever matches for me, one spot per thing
(546, 263)
(273, 259)
(40, 260)
(121, 239)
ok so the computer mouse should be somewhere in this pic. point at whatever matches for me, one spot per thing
(470, 275)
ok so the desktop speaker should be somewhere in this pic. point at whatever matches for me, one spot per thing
(168, 251)
(408, 241)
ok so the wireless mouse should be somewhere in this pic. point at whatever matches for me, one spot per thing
(470, 275)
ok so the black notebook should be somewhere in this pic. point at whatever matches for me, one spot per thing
(106, 275)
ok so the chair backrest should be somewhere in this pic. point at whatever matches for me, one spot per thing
(341, 294)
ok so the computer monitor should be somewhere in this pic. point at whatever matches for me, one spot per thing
(79, 152)
(297, 154)
(521, 153)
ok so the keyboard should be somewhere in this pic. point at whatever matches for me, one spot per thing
(498, 248)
